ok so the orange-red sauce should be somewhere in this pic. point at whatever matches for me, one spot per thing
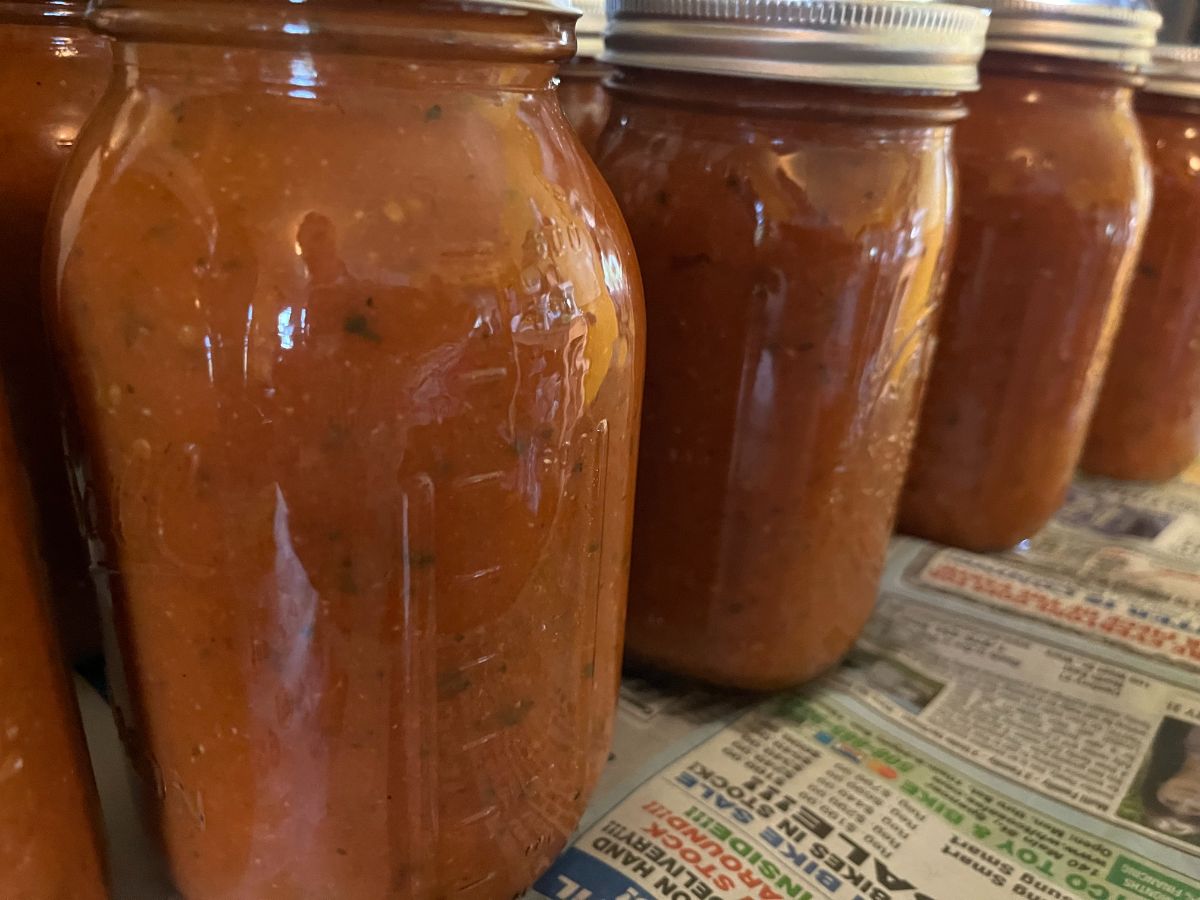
(1147, 421)
(584, 99)
(49, 843)
(52, 72)
(355, 343)
(792, 240)
(1055, 196)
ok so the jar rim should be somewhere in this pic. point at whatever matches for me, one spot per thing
(542, 30)
(879, 44)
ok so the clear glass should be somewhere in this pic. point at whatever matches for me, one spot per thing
(793, 240)
(1055, 196)
(52, 73)
(49, 837)
(1147, 421)
(584, 99)
(354, 341)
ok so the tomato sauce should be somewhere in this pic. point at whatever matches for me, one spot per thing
(584, 99)
(52, 72)
(1147, 421)
(49, 838)
(354, 335)
(793, 239)
(1055, 195)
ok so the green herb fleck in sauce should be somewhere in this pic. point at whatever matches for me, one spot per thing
(421, 559)
(357, 324)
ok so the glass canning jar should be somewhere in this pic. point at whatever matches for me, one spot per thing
(1055, 198)
(353, 330)
(791, 200)
(1147, 421)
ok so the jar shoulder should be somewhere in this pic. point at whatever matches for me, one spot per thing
(50, 80)
(1028, 139)
(767, 182)
(462, 188)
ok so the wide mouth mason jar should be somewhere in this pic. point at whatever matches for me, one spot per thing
(353, 331)
(1147, 421)
(1055, 199)
(785, 168)
(52, 73)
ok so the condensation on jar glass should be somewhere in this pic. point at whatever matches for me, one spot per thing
(581, 85)
(353, 331)
(1055, 198)
(52, 73)
(791, 202)
(1147, 421)
(50, 845)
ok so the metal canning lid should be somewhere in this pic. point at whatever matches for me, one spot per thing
(589, 30)
(552, 6)
(563, 7)
(1174, 69)
(1107, 31)
(899, 44)
(349, 25)
(47, 12)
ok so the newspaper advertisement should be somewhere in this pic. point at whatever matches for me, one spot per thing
(1024, 724)
(1120, 562)
(1110, 739)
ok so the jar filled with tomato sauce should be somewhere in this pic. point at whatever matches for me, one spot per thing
(353, 330)
(785, 170)
(1147, 422)
(49, 837)
(52, 73)
(1055, 198)
(581, 83)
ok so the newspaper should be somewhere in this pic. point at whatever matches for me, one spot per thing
(1013, 725)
